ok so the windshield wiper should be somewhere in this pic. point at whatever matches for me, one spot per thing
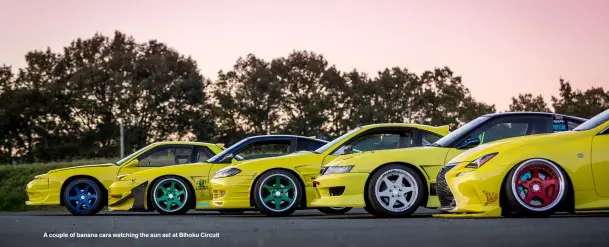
(434, 145)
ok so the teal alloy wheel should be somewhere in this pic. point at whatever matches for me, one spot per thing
(170, 195)
(278, 193)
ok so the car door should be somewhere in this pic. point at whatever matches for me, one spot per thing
(600, 162)
(503, 128)
(160, 156)
(258, 150)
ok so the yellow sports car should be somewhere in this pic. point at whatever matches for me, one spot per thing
(278, 186)
(177, 189)
(533, 176)
(83, 190)
(394, 183)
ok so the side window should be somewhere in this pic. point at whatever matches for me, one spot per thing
(510, 127)
(571, 124)
(203, 154)
(379, 141)
(429, 138)
(307, 145)
(165, 156)
(264, 149)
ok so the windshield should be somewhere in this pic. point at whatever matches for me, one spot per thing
(333, 142)
(594, 122)
(458, 133)
(230, 149)
(123, 160)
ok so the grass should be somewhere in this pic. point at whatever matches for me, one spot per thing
(14, 178)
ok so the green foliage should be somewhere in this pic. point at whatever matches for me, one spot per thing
(67, 104)
(14, 178)
(526, 102)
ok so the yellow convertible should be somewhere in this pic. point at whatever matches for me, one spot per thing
(534, 176)
(279, 186)
(83, 190)
(394, 183)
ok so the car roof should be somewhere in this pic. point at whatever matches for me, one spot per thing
(501, 114)
(184, 143)
(275, 137)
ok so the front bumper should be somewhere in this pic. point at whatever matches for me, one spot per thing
(39, 193)
(127, 196)
(231, 192)
(475, 193)
(340, 190)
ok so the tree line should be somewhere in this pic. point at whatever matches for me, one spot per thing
(67, 104)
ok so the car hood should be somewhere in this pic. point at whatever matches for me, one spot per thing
(515, 142)
(275, 159)
(80, 167)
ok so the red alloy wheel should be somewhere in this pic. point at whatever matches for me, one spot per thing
(538, 186)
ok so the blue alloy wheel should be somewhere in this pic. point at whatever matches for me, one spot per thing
(83, 197)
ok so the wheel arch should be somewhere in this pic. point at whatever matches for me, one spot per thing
(298, 178)
(72, 178)
(191, 189)
(416, 168)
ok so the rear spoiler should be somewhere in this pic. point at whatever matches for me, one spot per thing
(445, 129)
(220, 145)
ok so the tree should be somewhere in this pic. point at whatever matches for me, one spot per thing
(577, 103)
(248, 99)
(526, 102)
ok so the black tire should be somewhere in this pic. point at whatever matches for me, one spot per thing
(413, 197)
(263, 195)
(232, 212)
(334, 211)
(76, 189)
(517, 206)
(183, 195)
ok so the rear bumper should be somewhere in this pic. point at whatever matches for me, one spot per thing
(127, 196)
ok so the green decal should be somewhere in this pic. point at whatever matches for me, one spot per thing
(201, 183)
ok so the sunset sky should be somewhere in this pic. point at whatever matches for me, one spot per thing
(500, 48)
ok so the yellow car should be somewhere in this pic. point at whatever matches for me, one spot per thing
(534, 176)
(177, 189)
(394, 183)
(279, 186)
(83, 190)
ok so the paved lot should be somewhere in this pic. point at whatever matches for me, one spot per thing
(307, 228)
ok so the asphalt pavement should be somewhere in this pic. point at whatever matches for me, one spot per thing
(306, 228)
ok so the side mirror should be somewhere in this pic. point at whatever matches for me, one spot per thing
(228, 159)
(347, 149)
(469, 143)
(133, 163)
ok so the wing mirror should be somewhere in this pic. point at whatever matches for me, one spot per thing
(133, 163)
(228, 159)
(469, 143)
(348, 149)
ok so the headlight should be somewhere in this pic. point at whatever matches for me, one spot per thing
(480, 161)
(227, 173)
(337, 169)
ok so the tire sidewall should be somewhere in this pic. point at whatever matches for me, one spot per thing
(377, 209)
(188, 192)
(98, 202)
(261, 206)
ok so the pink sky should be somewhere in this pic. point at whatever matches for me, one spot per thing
(501, 48)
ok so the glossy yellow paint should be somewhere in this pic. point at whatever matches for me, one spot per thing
(197, 175)
(234, 192)
(583, 155)
(46, 189)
